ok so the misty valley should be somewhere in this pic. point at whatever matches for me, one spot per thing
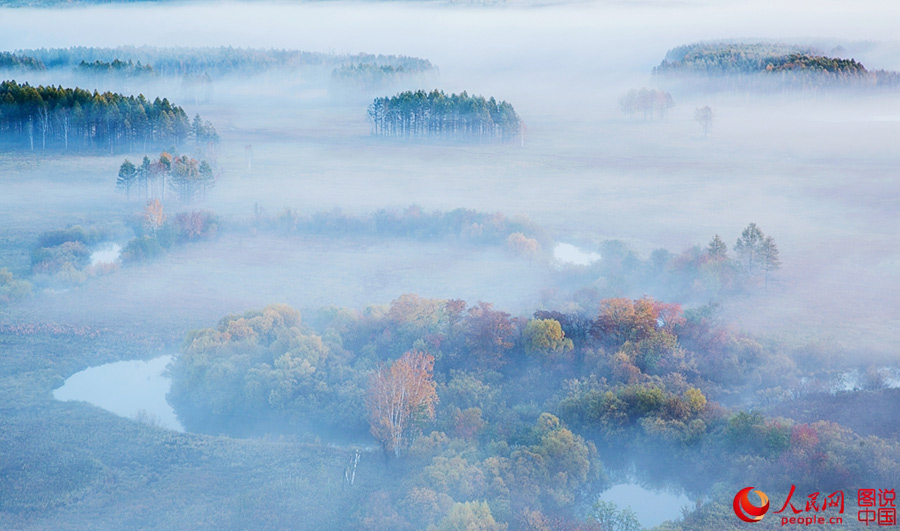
(597, 265)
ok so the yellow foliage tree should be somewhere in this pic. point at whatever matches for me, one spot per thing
(399, 396)
(154, 216)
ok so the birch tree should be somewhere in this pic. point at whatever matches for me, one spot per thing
(400, 396)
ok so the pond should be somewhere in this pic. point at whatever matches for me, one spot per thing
(133, 389)
(650, 506)
(106, 253)
(566, 253)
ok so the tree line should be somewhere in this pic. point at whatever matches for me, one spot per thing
(187, 177)
(770, 66)
(436, 114)
(411, 222)
(373, 76)
(12, 61)
(115, 68)
(726, 58)
(48, 117)
(215, 61)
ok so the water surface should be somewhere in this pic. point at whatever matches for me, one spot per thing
(133, 389)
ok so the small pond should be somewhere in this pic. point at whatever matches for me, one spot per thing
(106, 253)
(650, 506)
(566, 253)
(133, 389)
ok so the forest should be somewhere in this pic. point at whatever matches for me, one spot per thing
(515, 411)
(221, 61)
(12, 61)
(63, 119)
(115, 68)
(436, 114)
(772, 65)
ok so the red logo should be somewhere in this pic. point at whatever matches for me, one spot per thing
(745, 510)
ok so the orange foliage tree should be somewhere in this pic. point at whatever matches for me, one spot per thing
(623, 320)
(153, 215)
(399, 396)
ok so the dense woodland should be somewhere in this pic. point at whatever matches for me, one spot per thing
(371, 76)
(435, 114)
(74, 119)
(116, 68)
(770, 66)
(526, 415)
(222, 61)
(11, 61)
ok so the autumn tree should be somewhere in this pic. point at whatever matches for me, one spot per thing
(400, 396)
(623, 320)
(470, 515)
(491, 334)
(522, 245)
(545, 337)
(12, 289)
(154, 216)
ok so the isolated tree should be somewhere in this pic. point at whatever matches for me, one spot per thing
(704, 116)
(143, 176)
(717, 249)
(154, 216)
(769, 257)
(523, 245)
(398, 397)
(749, 249)
(127, 178)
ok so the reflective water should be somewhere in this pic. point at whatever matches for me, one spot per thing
(566, 253)
(106, 253)
(651, 507)
(133, 389)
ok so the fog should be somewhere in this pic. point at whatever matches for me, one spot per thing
(303, 189)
